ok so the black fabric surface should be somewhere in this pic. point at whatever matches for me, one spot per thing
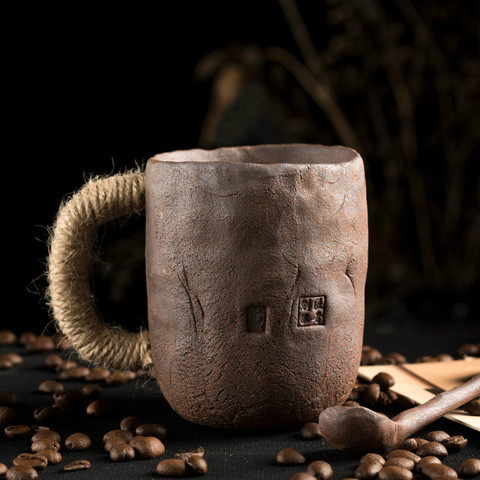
(229, 454)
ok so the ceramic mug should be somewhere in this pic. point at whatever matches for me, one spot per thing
(256, 260)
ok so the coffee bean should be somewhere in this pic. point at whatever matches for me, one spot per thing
(354, 395)
(443, 357)
(77, 465)
(200, 451)
(197, 464)
(53, 456)
(69, 401)
(43, 343)
(310, 431)
(121, 451)
(50, 386)
(98, 408)
(426, 461)
(435, 449)
(7, 399)
(8, 416)
(46, 412)
(119, 378)
(368, 470)
(302, 476)
(469, 349)
(147, 447)
(34, 460)
(18, 431)
(437, 436)
(372, 457)
(113, 442)
(74, 373)
(172, 467)
(97, 374)
(400, 462)
(351, 403)
(130, 423)
(320, 470)
(45, 444)
(438, 471)
(65, 365)
(473, 407)
(424, 359)
(50, 434)
(469, 468)
(403, 453)
(3, 469)
(387, 399)
(397, 357)
(151, 430)
(404, 403)
(92, 391)
(410, 444)
(5, 364)
(53, 360)
(124, 435)
(290, 456)
(420, 441)
(27, 337)
(18, 472)
(62, 342)
(370, 394)
(13, 358)
(395, 473)
(370, 356)
(78, 441)
(7, 337)
(384, 379)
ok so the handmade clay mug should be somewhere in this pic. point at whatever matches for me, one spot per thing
(256, 260)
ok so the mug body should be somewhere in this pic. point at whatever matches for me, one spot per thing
(256, 263)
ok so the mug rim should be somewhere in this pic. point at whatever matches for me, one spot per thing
(308, 154)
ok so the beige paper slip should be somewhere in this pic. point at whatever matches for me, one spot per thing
(422, 381)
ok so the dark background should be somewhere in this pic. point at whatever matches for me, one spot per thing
(89, 93)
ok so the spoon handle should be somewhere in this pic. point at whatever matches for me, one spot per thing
(413, 419)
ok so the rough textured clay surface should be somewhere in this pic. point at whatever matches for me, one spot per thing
(256, 264)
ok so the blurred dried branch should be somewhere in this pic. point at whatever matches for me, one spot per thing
(400, 82)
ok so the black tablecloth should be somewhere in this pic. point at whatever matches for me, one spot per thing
(230, 454)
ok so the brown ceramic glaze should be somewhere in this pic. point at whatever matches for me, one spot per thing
(256, 263)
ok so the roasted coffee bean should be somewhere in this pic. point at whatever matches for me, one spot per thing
(372, 457)
(62, 342)
(172, 467)
(45, 444)
(46, 412)
(384, 379)
(197, 464)
(43, 343)
(310, 431)
(53, 360)
(130, 423)
(50, 386)
(368, 470)
(5, 364)
(147, 447)
(469, 349)
(53, 456)
(151, 430)
(370, 356)
(200, 451)
(443, 357)
(69, 401)
(78, 441)
(320, 470)
(13, 358)
(424, 359)
(8, 416)
(370, 394)
(97, 374)
(77, 465)
(403, 462)
(410, 444)
(302, 476)
(387, 399)
(403, 453)
(74, 373)
(426, 461)
(437, 436)
(119, 378)
(473, 407)
(92, 391)
(34, 460)
(438, 471)
(47, 433)
(290, 456)
(121, 451)
(98, 408)
(18, 472)
(354, 395)
(65, 365)
(397, 358)
(420, 441)
(7, 399)
(18, 431)
(395, 473)
(404, 403)
(112, 442)
(7, 337)
(27, 337)
(469, 468)
(3, 469)
(124, 435)
(351, 403)
(435, 449)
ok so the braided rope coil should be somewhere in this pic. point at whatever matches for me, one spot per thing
(99, 201)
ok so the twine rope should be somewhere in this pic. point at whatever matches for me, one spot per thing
(99, 201)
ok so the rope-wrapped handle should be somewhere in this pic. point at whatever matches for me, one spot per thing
(99, 201)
